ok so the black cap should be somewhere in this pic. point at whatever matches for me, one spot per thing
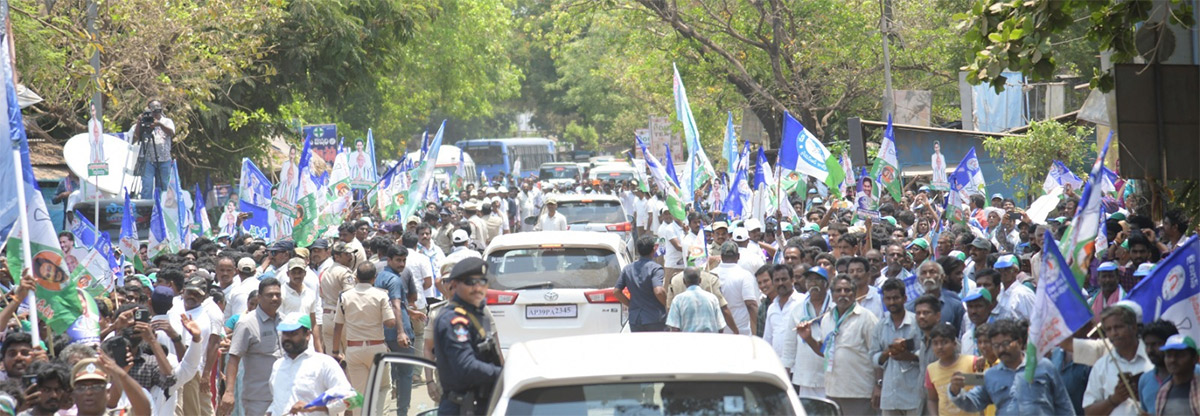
(470, 266)
(282, 245)
(982, 243)
(320, 243)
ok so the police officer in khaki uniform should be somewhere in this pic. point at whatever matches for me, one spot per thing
(468, 359)
(361, 314)
(334, 280)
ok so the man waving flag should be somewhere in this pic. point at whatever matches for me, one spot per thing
(800, 153)
(699, 169)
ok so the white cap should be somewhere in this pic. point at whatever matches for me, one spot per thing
(503, 189)
(753, 224)
(740, 234)
(459, 236)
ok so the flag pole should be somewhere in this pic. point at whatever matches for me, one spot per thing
(31, 299)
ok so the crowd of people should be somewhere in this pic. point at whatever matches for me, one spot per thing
(908, 314)
(898, 314)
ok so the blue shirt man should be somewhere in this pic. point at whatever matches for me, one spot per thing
(695, 310)
(400, 290)
(647, 297)
(1004, 384)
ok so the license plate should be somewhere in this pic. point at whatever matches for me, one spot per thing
(551, 311)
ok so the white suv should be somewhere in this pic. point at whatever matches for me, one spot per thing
(554, 283)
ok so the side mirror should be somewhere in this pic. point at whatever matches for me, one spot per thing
(531, 220)
(820, 407)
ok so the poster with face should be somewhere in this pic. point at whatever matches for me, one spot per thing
(865, 204)
(937, 162)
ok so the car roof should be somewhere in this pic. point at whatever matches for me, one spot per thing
(566, 238)
(584, 197)
(624, 355)
(553, 164)
(613, 167)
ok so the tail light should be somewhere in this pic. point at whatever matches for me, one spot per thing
(601, 296)
(497, 297)
(619, 227)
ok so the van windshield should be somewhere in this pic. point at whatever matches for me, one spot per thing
(654, 398)
(558, 172)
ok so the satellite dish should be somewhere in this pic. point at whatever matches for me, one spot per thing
(77, 153)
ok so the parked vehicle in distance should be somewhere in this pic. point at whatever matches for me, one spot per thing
(612, 171)
(498, 156)
(559, 173)
(447, 163)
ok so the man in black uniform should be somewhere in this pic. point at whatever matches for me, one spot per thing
(468, 360)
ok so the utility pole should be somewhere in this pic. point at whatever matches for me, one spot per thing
(885, 8)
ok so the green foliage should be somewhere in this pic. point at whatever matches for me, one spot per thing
(1027, 158)
(234, 73)
(1028, 35)
(583, 137)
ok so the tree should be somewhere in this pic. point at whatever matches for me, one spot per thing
(1027, 158)
(1027, 36)
(816, 59)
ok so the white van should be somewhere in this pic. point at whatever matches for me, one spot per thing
(612, 171)
(447, 163)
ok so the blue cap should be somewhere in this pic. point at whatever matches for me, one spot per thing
(812, 191)
(1006, 261)
(818, 270)
(994, 196)
(923, 188)
(978, 293)
(1107, 266)
(1144, 269)
(1179, 342)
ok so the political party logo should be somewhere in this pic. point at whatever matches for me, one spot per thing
(1174, 283)
(973, 164)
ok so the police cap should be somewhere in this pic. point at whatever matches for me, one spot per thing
(468, 267)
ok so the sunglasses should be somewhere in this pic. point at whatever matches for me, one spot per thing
(475, 281)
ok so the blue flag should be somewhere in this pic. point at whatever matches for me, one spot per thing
(85, 232)
(254, 197)
(729, 148)
(1059, 308)
(128, 240)
(739, 190)
(1172, 290)
(669, 164)
(159, 243)
(968, 177)
(104, 247)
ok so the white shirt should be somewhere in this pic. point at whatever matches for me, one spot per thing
(1104, 380)
(184, 370)
(558, 222)
(420, 269)
(776, 329)
(304, 379)
(751, 257)
(305, 302)
(640, 215)
(458, 253)
(667, 232)
(436, 258)
(738, 286)
(807, 367)
(1016, 300)
(235, 304)
(627, 202)
(851, 375)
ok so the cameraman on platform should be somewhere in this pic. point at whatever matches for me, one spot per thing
(154, 132)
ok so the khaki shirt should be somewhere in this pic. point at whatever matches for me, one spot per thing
(334, 281)
(495, 226)
(708, 281)
(362, 312)
(360, 254)
(442, 235)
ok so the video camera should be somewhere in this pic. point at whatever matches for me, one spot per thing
(147, 118)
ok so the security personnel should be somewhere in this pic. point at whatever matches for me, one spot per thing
(468, 360)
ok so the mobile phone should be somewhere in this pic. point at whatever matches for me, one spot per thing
(910, 345)
(28, 380)
(1014, 215)
(117, 348)
(249, 215)
(141, 315)
(973, 379)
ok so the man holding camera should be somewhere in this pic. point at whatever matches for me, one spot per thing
(155, 132)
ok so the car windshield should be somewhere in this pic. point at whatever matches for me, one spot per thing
(584, 212)
(558, 172)
(654, 398)
(619, 175)
(486, 154)
(563, 267)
